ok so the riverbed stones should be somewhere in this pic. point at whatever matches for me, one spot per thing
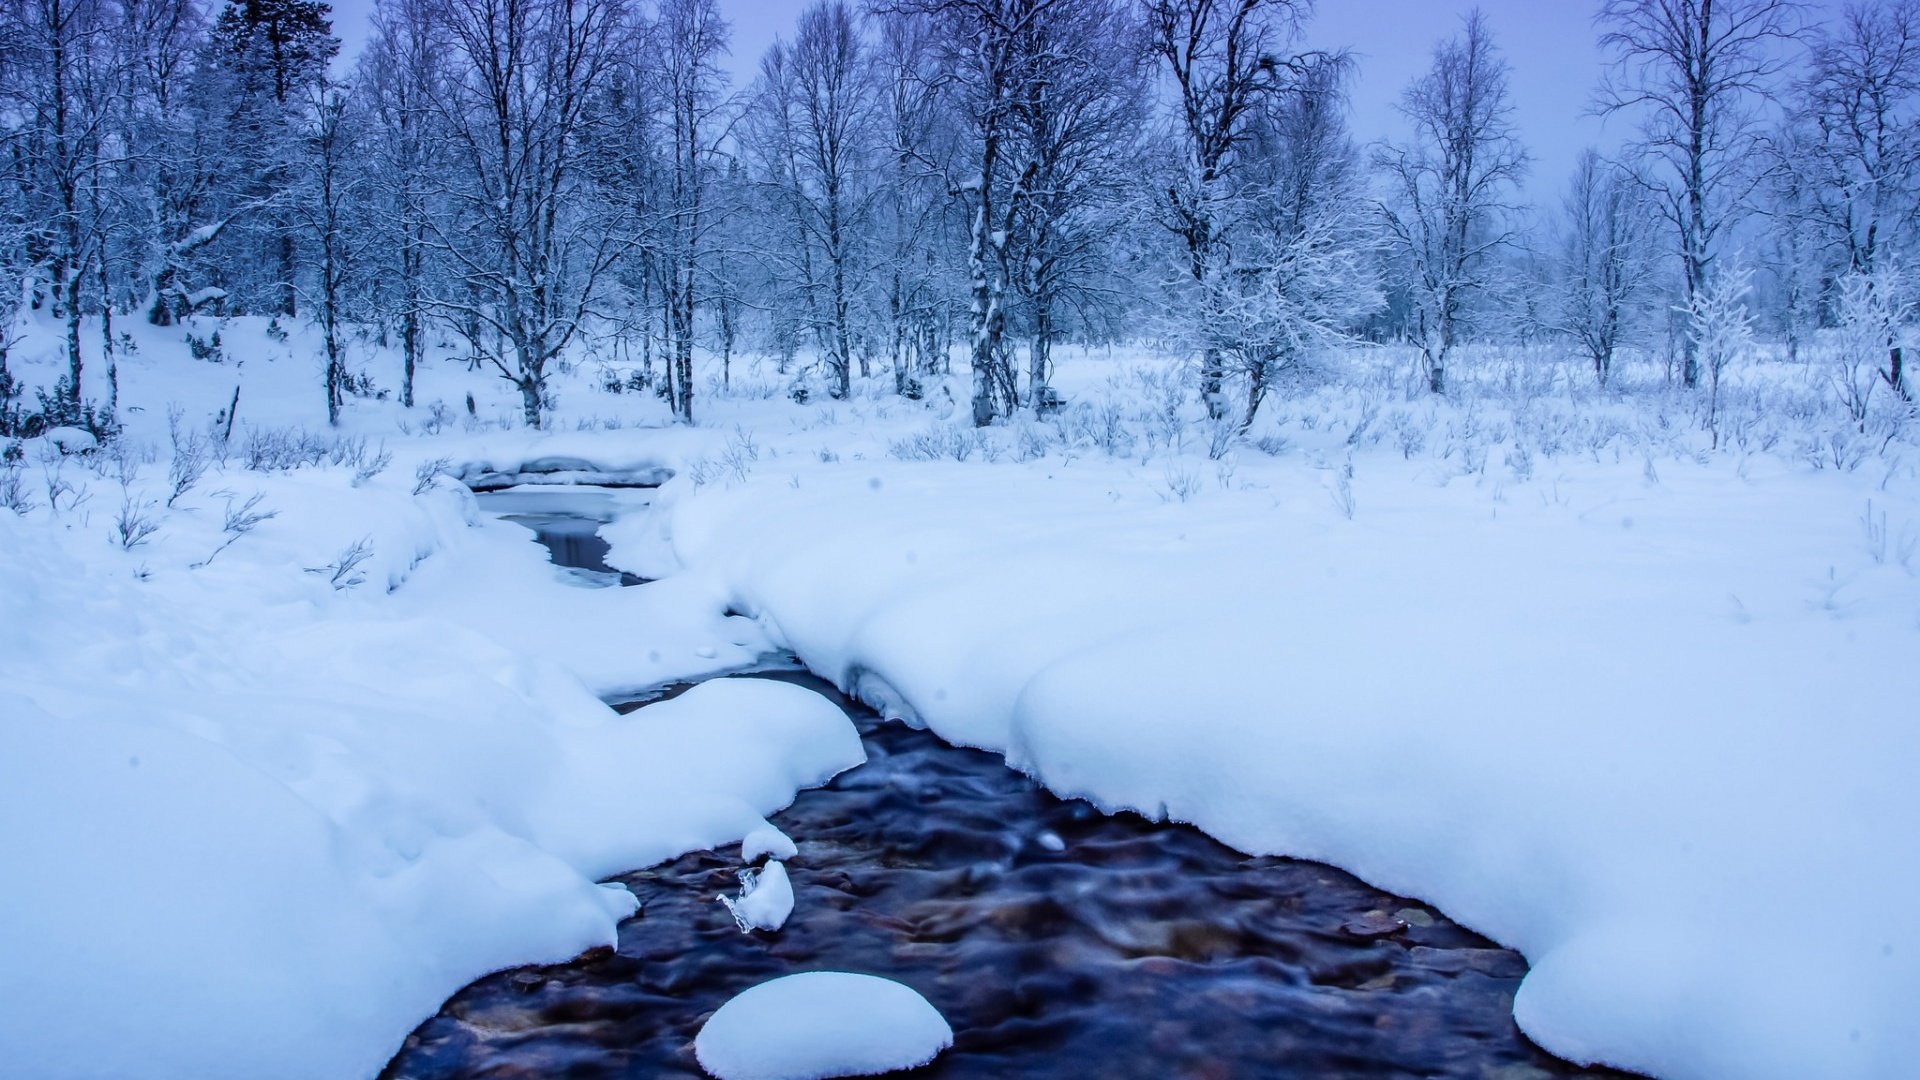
(1374, 924)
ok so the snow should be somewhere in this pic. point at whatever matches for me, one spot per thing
(1540, 658)
(821, 1024)
(71, 440)
(258, 826)
(766, 841)
(765, 900)
(1651, 734)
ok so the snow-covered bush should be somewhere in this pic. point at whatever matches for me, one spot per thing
(1722, 330)
(1872, 313)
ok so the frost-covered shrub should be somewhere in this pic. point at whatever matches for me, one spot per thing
(1271, 445)
(1520, 460)
(135, 523)
(1341, 489)
(1722, 330)
(1872, 313)
(425, 473)
(1181, 482)
(277, 450)
(1408, 434)
(1031, 442)
(209, 348)
(940, 442)
(371, 466)
(191, 456)
(344, 571)
(14, 494)
(238, 521)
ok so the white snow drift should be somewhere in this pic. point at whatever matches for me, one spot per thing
(256, 826)
(1660, 738)
(821, 1024)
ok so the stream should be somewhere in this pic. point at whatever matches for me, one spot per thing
(1057, 940)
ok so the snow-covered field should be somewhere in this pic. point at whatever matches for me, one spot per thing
(1632, 695)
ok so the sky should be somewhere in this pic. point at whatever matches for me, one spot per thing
(1549, 44)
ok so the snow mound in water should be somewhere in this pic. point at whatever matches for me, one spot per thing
(821, 1024)
(766, 899)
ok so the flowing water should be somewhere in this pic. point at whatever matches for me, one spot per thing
(1058, 941)
(567, 520)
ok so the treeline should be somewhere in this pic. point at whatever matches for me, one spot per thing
(909, 179)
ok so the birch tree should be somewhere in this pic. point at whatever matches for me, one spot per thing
(985, 47)
(60, 80)
(1224, 59)
(516, 218)
(1607, 273)
(1448, 211)
(324, 215)
(1078, 122)
(1695, 73)
(1861, 110)
(689, 38)
(396, 77)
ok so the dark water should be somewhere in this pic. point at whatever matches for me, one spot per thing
(567, 521)
(1058, 942)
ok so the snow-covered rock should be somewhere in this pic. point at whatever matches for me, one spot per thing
(765, 900)
(821, 1024)
(766, 841)
(72, 440)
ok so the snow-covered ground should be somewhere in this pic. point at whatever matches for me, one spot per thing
(1634, 703)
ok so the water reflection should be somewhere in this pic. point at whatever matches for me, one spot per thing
(566, 519)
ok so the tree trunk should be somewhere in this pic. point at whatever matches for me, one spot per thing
(287, 300)
(530, 400)
(1040, 351)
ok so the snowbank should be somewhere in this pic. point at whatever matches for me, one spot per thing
(821, 1024)
(259, 819)
(1656, 735)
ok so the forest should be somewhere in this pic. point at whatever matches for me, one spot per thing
(915, 181)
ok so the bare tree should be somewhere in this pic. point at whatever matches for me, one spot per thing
(1304, 265)
(1794, 247)
(986, 49)
(771, 138)
(914, 199)
(1694, 71)
(1862, 114)
(1450, 185)
(323, 214)
(1221, 56)
(689, 39)
(396, 76)
(1079, 125)
(166, 174)
(1607, 272)
(517, 219)
(61, 79)
(815, 118)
